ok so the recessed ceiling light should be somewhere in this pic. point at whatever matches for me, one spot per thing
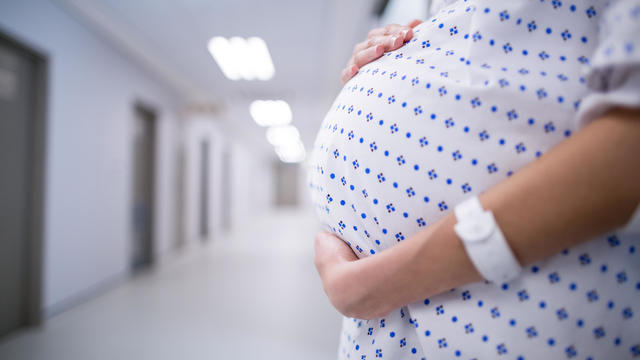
(270, 112)
(282, 135)
(291, 153)
(240, 58)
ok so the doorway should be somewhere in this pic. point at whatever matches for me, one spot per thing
(227, 191)
(22, 134)
(286, 184)
(143, 186)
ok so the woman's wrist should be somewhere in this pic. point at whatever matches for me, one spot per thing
(444, 260)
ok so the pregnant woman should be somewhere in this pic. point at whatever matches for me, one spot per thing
(478, 185)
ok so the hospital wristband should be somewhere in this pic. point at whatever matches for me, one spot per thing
(484, 242)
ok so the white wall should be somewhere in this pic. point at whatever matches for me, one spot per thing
(91, 92)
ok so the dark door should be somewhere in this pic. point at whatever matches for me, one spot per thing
(143, 181)
(204, 190)
(286, 184)
(225, 214)
(18, 89)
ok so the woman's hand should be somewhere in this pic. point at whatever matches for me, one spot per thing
(371, 287)
(379, 41)
(331, 250)
(332, 259)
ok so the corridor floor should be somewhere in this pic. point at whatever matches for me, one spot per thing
(251, 295)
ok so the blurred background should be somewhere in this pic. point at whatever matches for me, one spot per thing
(153, 198)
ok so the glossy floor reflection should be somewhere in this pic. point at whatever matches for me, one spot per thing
(251, 295)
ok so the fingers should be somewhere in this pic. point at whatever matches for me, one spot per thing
(404, 31)
(389, 42)
(348, 73)
(368, 55)
(395, 42)
(329, 249)
(387, 30)
(387, 36)
(379, 41)
(363, 45)
(361, 59)
(413, 23)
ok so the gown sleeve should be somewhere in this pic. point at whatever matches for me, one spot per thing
(614, 71)
(613, 74)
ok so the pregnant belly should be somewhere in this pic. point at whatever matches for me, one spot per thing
(423, 128)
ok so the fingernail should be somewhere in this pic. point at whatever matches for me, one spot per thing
(404, 33)
(393, 40)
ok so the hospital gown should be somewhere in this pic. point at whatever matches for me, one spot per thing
(482, 89)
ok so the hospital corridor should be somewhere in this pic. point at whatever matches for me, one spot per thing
(154, 200)
(319, 179)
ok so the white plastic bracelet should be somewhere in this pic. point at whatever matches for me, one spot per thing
(484, 242)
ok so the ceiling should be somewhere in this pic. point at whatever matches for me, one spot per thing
(309, 41)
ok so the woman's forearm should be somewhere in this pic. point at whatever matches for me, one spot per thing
(585, 186)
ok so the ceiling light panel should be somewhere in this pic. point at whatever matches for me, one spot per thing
(291, 152)
(282, 135)
(240, 58)
(270, 112)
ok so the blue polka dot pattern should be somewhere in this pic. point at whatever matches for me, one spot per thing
(482, 89)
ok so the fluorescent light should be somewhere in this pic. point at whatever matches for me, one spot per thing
(240, 58)
(291, 152)
(286, 140)
(223, 54)
(270, 112)
(262, 65)
(282, 135)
